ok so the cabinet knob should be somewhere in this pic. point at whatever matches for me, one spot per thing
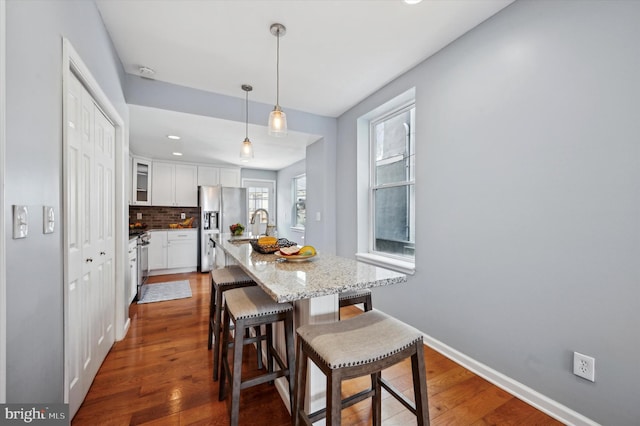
(102, 253)
(88, 259)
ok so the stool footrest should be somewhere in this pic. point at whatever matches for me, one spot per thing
(409, 405)
(346, 403)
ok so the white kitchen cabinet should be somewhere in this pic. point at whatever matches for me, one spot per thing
(173, 251)
(158, 250)
(208, 176)
(132, 278)
(182, 250)
(140, 182)
(174, 184)
(230, 177)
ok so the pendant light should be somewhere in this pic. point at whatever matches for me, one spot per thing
(277, 118)
(246, 152)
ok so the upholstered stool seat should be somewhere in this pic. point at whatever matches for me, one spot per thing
(359, 346)
(223, 279)
(251, 307)
(354, 297)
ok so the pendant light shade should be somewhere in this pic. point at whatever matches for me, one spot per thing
(277, 118)
(246, 151)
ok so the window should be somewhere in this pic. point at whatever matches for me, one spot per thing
(260, 195)
(392, 183)
(299, 213)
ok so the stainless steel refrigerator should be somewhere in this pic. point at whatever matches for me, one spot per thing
(220, 207)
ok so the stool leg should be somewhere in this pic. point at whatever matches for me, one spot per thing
(367, 304)
(334, 399)
(216, 334)
(300, 383)
(225, 359)
(259, 346)
(291, 360)
(269, 338)
(212, 308)
(236, 380)
(376, 400)
(420, 385)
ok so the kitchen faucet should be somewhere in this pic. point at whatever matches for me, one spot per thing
(253, 216)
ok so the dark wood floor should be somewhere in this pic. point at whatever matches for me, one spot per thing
(160, 374)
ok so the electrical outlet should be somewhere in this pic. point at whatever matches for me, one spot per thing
(584, 366)
(138, 216)
(183, 215)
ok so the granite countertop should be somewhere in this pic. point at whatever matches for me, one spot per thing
(320, 276)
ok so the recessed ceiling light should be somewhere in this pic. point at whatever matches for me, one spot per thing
(178, 154)
(412, 1)
(174, 137)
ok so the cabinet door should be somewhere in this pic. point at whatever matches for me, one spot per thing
(208, 176)
(230, 177)
(158, 250)
(141, 182)
(182, 254)
(186, 185)
(163, 187)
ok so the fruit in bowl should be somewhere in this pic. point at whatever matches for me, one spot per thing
(236, 229)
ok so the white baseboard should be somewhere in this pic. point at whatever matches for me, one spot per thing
(536, 399)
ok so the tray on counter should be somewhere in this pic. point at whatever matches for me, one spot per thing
(272, 248)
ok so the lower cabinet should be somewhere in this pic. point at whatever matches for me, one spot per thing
(132, 280)
(173, 251)
(182, 250)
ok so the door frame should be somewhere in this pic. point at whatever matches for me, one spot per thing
(273, 202)
(72, 63)
(3, 251)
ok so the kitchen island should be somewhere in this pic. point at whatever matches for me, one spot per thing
(312, 285)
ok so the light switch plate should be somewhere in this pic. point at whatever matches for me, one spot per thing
(48, 220)
(20, 222)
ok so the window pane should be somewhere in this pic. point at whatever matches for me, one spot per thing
(258, 199)
(393, 144)
(394, 228)
(300, 201)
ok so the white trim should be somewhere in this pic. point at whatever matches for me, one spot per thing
(398, 265)
(3, 260)
(273, 216)
(71, 61)
(543, 403)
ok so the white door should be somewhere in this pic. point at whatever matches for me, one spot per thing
(89, 187)
(103, 213)
(261, 194)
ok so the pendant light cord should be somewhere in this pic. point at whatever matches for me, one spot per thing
(278, 69)
(246, 116)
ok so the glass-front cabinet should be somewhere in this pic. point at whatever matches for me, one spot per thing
(141, 180)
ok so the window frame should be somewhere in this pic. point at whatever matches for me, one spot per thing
(373, 186)
(294, 202)
(365, 173)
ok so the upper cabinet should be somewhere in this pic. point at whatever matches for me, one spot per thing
(141, 182)
(230, 177)
(174, 184)
(208, 176)
(223, 176)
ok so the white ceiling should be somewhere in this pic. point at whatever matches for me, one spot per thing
(333, 55)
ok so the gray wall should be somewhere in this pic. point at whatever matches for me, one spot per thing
(528, 199)
(285, 201)
(34, 178)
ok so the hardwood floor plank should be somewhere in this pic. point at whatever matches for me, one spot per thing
(160, 374)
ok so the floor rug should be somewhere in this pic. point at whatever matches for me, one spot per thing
(165, 291)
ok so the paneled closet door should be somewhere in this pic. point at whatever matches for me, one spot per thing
(89, 210)
(103, 215)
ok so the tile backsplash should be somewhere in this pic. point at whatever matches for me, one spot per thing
(160, 217)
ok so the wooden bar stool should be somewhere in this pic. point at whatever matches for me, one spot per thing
(246, 308)
(359, 346)
(354, 297)
(223, 279)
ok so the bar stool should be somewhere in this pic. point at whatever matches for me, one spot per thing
(252, 307)
(354, 297)
(359, 346)
(223, 279)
